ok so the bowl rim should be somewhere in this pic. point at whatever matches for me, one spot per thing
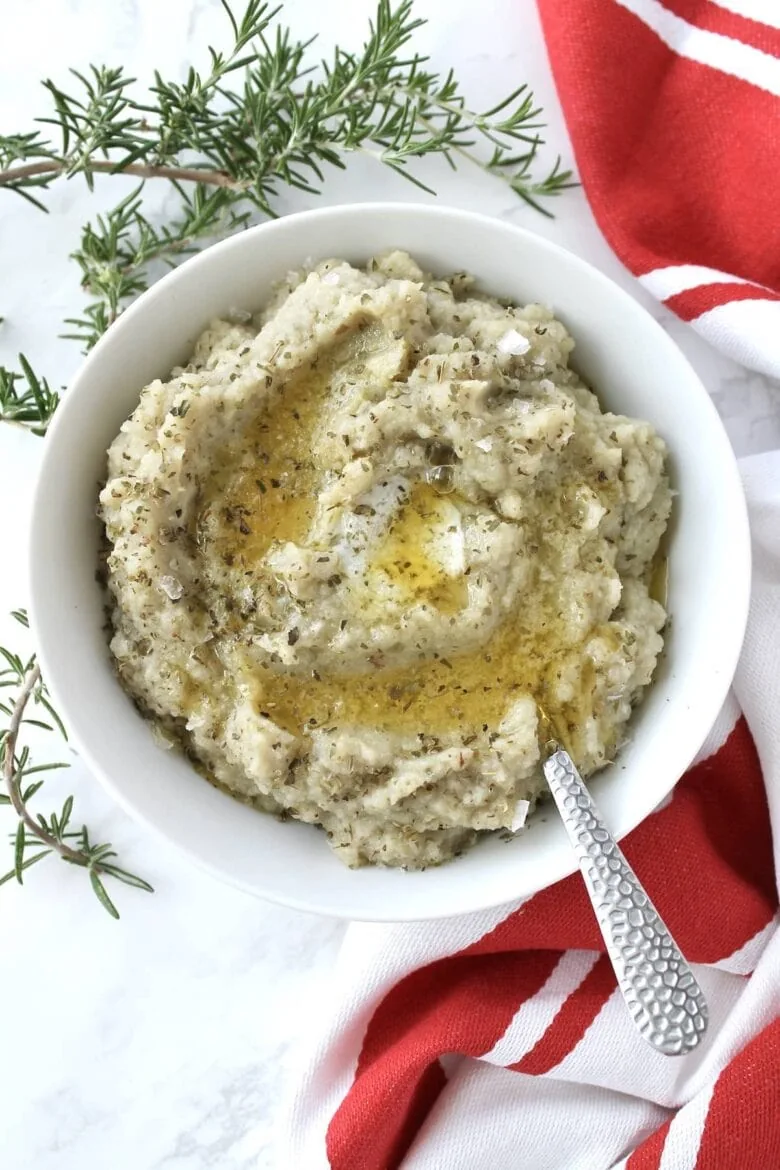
(730, 645)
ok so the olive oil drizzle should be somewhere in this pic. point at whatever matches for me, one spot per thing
(264, 491)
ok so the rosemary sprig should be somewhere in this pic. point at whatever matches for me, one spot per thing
(38, 836)
(26, 399)
(257, 119)
(116, 252)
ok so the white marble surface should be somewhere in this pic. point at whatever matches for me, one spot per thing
(168, 1041)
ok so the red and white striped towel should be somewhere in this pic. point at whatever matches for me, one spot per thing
(673, 107)
(499, 1040)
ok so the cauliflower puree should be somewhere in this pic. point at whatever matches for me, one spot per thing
(357, 542)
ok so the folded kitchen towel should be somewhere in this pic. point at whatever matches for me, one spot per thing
(499, 1040)
(673, 107)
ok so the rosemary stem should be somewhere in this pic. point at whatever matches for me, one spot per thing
(139, 170)
(31, 680)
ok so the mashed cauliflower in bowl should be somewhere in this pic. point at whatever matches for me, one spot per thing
(634, 368)
(356, 543)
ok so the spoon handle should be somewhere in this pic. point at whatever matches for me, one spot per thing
(662, 995)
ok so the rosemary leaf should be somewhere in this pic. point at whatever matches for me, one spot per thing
(129, 879)
(102, 894)
(19, 852)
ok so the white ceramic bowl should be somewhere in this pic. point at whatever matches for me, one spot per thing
(636, 370)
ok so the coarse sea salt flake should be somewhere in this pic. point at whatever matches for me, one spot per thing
(484, 444)
(520, 815)
(330, 278)
(513, 342)
(161, 738)
(172, 587)
(238, 316)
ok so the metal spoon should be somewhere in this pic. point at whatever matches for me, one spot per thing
(665, 1001)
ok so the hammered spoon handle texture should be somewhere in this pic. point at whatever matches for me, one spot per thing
(665, 1001)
